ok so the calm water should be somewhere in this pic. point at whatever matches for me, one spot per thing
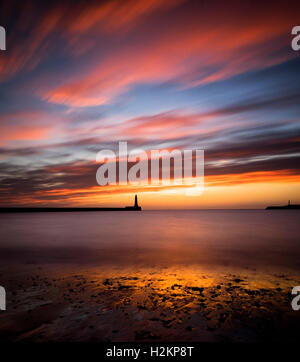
(255, 238)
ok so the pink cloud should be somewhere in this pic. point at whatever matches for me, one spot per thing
(194, 50)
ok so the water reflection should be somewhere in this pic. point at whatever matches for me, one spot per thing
(238, 238)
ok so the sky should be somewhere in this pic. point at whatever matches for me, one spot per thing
(78, 77)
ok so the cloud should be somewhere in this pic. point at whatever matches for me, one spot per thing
(110, 47)
(192, 51)
(75, 182)
(116, 15)
(33, 29)
(24, 126)
(27, 41)
(73, 73)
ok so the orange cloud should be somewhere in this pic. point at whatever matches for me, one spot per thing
(192, 51)
(119, 195)
(24, 126)
(281, 176)
(23, 133)
(69, 23)
(176, 41)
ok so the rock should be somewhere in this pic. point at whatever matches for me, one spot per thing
(121, 287)
(107, 282)
(139, 335)
(196, 289)
(176, 286)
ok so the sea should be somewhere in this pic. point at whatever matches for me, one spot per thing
(231, 238)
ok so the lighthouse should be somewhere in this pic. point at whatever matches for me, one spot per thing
(136, 205)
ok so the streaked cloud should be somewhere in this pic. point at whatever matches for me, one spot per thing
(79, 77)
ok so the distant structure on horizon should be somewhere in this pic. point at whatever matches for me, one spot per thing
(289, 206)
(136, 205)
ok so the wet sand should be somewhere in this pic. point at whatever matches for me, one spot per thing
(52, 302)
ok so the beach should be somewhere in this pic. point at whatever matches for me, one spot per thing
(111, 296)
(49, 303)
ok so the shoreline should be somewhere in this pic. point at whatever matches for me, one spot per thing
(80, 303)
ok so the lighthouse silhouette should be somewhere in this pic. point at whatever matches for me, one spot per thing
(136, 205)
